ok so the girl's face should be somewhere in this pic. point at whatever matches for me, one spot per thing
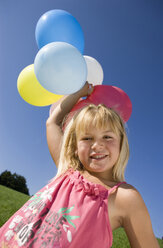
(98, 150)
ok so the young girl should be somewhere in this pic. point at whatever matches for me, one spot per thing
(88, 198)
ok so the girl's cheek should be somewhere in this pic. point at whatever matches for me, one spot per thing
(113, 143)
(82, 144)
(79, 145)
(83, 148)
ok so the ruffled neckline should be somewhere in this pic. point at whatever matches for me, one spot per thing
(88, 187)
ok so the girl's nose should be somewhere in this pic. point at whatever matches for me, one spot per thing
(98, 144)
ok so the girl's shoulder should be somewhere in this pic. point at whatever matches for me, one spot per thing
(119, 202)
(129, 200)
(127, 194)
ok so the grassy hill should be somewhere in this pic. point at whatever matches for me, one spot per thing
(120, 239)
(11, 201)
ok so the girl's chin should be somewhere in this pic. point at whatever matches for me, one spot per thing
(97, 169)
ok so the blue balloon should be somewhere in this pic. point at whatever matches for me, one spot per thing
(60, 68)
(59, 25)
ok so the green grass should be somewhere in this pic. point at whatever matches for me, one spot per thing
(120, 239)
(11, 201)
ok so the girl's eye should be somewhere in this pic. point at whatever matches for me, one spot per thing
(86, 138)
(107, 137)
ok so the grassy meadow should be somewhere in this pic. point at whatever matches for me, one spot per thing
(10, 202)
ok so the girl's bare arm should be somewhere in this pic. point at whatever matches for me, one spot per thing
(53, 124)
(136, 221)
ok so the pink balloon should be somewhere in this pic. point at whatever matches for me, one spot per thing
(111, 96)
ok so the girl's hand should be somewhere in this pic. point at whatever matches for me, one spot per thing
(86, 90)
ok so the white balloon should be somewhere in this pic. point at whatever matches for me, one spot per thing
(95, 73)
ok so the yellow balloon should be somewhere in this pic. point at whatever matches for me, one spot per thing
(31, 90)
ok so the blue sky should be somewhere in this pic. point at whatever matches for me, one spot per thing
(126, 37)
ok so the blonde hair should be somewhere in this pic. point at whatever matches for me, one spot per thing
(98, 116)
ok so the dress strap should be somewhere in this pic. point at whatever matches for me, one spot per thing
(115, 187)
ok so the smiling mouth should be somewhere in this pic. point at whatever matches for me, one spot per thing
(98, 157)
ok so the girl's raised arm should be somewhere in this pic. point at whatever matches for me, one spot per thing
(53, 124)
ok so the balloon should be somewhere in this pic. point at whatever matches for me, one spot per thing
(60, 68)
(31, 91)
(59, 25)
(95, 72)
(113, 97)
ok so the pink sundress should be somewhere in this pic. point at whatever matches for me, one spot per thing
(68, 212)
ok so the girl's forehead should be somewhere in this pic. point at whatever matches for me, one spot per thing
(95, 120)
(89, 129)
